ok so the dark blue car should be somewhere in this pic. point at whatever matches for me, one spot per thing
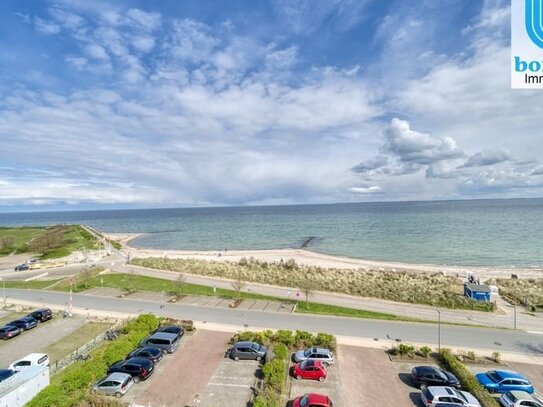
(502, 381)
(25, 323)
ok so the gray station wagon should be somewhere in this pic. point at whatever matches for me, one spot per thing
(247, 351)
(114, 384)
(166, 342)
(324, 356)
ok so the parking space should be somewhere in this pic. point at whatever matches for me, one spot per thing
(231, 385)
(331, 386)
(38, 339)
(369, 378)
(533, 372)
(181, 378)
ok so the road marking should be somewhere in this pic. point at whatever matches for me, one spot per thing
(230, 385)
(535, 332)
(230, 378)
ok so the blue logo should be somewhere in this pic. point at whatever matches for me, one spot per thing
(534, 21)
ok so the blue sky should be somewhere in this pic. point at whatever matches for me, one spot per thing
(196, 103)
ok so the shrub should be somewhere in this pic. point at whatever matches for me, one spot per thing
(471, 355)
(281, 351)
(406, 350)
(425, 351)
(496, 357)
(285, 337)
(325, 341)
(303, 339)
(467, 379)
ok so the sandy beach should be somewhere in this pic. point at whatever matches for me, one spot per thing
(311, 258)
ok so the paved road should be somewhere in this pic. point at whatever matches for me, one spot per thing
(456, 336)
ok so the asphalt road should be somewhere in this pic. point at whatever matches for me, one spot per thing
(456, 336)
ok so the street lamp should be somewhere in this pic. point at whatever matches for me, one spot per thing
(4, 289)
(438, 331)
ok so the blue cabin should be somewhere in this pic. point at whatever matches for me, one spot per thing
(477, 292)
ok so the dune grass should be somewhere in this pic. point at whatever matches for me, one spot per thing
(433, 289)
(527, 291)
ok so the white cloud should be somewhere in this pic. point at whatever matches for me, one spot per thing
(46, 27)
(366, 190)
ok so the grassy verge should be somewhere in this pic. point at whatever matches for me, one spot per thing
(17, 239)
(11, 317)
(433, 289)
(32, 285)
(74, 340)
(71, 386)
(324, 309)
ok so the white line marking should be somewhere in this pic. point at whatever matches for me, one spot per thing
(535, 332)
(229, 385)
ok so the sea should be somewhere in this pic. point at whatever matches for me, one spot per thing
(497, 233)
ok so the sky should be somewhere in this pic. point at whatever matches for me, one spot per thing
(138, 104)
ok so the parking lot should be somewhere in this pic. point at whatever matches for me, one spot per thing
(37, 339)
(331, 386)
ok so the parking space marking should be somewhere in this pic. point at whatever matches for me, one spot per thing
(246, 386)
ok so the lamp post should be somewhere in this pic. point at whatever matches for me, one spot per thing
(3, 289)
(438, 331)
(515, 318)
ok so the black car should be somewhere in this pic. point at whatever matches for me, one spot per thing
(5, 374)
(147, 352)
(25, 323)
(42, 315)
(138, 368)
(22, 267)
(172, 329)
(433, 376)
(9, 331)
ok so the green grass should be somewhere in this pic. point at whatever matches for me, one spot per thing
(74, 340)
(17, 239)
(116, 244)
(73, 238)
(32, 285)
(324, 309)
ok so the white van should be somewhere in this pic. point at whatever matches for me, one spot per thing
(34, 359)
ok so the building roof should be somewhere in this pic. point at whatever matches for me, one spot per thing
(20, 378)
(478, 287)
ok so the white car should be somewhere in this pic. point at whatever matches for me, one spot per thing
(433, 395)
(34, 359)
(518, 398)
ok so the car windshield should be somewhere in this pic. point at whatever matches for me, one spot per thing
(304, 401)
(307, 352)
(511, 397)
(460, 396)
(494, 376)
(255, 346)
(304, 364)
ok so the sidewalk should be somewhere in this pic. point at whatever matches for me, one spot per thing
(503, 318)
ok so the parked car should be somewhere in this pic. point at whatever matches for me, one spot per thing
(517, 398)
(41, 315)
(25, 323)
(433, 376)
(9, 331)
(502, 381)
(6, 374)
(172, 329)
(321, 354)
(22, 267)
(138, 368)
(309, 369)
(312, 400)
(33, 359)
(166, 342)
(431, 396)
(248, 351)
(114, 384)
(148, 352)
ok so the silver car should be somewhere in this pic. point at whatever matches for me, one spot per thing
(114, 384)
(325, 356)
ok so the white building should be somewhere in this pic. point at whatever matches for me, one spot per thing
(22, 387)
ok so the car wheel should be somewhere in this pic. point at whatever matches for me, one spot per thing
(325, 364)
(258, 358)
(164, 351)
(321, 379)
(298, 377)
(136, 379)
(236, 358)
(118, 394)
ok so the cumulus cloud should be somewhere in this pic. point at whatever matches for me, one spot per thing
(488, 157)
(370, 164)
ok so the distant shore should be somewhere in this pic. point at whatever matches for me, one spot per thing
(310, 258)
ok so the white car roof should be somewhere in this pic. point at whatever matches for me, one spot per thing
(33, 357)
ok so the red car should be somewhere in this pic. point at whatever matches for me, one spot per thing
(309, 369)
(312, 400)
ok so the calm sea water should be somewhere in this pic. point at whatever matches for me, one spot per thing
(486, 232)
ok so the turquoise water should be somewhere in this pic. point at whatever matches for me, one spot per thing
(476, 233)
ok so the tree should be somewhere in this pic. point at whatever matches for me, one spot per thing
(238, 284)
(179, 284)
(307, 286)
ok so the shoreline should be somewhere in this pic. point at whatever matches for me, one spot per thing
(310, 258)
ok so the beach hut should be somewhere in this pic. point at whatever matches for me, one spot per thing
(477, 292)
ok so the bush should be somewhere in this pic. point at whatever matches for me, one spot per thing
(406, 350)
(281, 351)
(496, 357)
(425, 351)
(70, 387)
(467, 379)
(471, 355)
(285, 337)
(303, 339)
(325, 341)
